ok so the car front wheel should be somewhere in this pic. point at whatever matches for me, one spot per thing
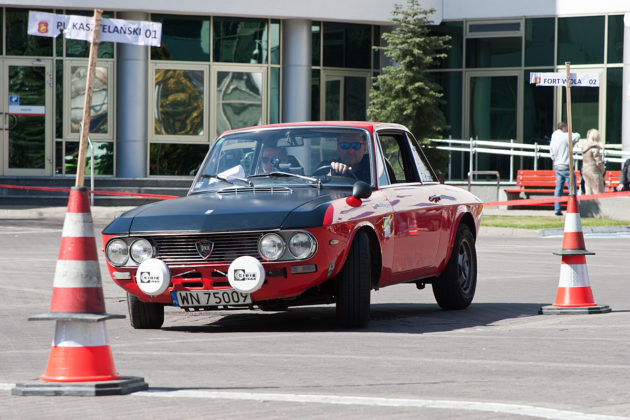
(353, 285)
(455, 287)
(144, 315)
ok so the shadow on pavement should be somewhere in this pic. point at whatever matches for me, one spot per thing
(386, 318)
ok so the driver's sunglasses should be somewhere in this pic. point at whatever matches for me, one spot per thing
(345, 145)
(267, 159)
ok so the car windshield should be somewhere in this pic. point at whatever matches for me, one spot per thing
(293, 156)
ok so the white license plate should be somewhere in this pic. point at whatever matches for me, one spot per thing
(210, 298)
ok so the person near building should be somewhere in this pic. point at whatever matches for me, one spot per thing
(593, 163)
(559, 150)
(624, 178)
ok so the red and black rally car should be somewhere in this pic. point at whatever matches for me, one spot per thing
(299, 214)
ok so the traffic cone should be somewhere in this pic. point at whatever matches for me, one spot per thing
(80, 360)
(574, 294)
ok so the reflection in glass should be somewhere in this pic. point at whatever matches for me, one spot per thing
(239, 100)
(27, 118)
(316, 44)
(274, 42)
(454, 54)
(99, 108)
(103, 158)
(176, 159)
(274, 95)
(185, 38)
(581, 40)
(240, 40)
(179, 102)
(19, 42)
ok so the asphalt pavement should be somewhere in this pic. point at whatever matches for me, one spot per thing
(498, 359)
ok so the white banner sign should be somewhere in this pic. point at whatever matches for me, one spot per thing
(81, 28)
(560, 79)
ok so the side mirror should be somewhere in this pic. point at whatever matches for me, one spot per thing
(360, 190)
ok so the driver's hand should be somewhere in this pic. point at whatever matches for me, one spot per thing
(340, 168)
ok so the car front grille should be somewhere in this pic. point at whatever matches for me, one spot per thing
(182, 249)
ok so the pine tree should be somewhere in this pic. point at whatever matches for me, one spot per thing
(404, 93)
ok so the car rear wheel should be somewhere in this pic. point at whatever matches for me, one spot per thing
(353, 285)
(455, 287)
(144, 315)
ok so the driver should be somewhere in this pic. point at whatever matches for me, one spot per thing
(352, 157)
(272, 156)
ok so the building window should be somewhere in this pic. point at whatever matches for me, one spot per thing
(76, 74)
(19, 42)
(66, 161)
(176, 159)
(347, 45)
(539, 37)
(615, 39)
(493, 52)
(184, 38)
(179, 102)
(240, 40)
(614, 88)
(454, 57)
(239, 99)
(581, 40)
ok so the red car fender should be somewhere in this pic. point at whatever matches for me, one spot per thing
(453, 216)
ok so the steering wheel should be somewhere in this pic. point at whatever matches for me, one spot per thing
(322, 170)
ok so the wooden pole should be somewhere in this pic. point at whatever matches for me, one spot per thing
(87, 105)
(570, 131)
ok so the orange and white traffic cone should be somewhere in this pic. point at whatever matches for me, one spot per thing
(80, 361)
(574, 294)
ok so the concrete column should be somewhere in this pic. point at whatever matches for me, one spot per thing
(625, 102)
(296, 70)
(131, 106)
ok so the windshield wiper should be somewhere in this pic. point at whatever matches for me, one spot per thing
(229, 180)
(280, 173)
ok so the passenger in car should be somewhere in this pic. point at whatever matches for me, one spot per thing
(353, 158)
(272, 156)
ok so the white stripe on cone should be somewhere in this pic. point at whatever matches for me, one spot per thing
(572, 222)
(71, 273)
(573, 275)
(80, 334)
(78, 225)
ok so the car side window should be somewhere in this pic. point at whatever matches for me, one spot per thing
(399, 165)
(424, 170)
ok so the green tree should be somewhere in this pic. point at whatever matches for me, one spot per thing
(404, 93)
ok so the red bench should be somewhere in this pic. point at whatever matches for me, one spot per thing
(536, 182)
(611, 179)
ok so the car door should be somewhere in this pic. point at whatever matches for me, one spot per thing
(417, 212)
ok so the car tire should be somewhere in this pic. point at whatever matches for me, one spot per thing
(455, 287)
(353, 285)
(144, 315)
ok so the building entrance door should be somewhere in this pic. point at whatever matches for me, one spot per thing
(26, 142)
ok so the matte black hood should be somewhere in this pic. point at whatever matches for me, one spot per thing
(212, 211)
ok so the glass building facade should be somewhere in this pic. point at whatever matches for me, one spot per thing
(215, 73)
(486, 81)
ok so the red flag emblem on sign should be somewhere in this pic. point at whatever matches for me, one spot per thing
(42, 27)
(538, 80)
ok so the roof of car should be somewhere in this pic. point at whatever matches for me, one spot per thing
(367, 125)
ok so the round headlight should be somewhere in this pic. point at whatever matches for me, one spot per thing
(302, 245)
(271, 246)
(141, 250)
(117, 252)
